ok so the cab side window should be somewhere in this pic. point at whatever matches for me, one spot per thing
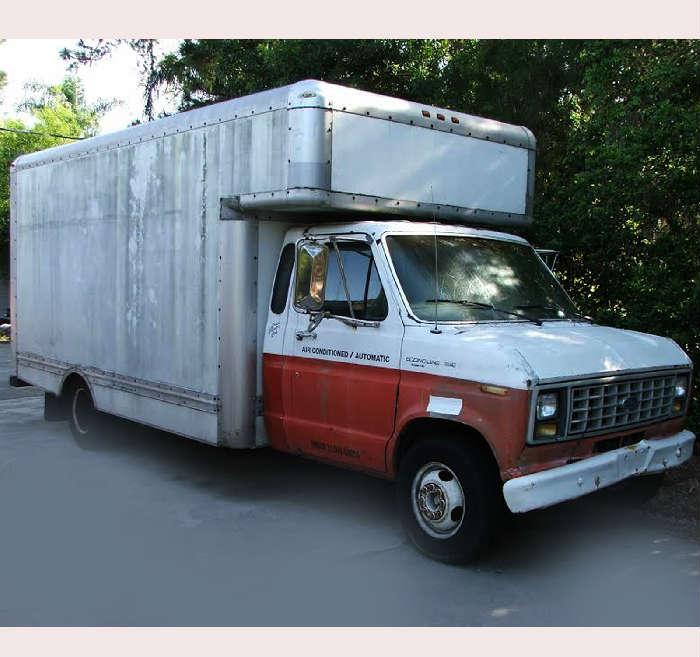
(364, 287)
(280, 289)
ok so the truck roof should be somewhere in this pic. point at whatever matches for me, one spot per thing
(305, 93)
(378, 228)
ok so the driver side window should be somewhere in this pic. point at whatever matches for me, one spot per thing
(364, 287)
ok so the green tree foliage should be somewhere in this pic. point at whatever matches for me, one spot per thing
(3, 75)
(209, 71)
(61, 116)
(62, 108)
(620, 192)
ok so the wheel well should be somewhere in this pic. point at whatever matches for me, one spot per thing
(421, 428)
(71, 381)
(58, 408)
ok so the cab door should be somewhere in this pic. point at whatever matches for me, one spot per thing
(343, 379)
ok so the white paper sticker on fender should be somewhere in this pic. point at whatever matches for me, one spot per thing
(445, 405)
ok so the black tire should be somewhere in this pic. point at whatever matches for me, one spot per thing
(83, 417)
(448, 537)
(640, 490)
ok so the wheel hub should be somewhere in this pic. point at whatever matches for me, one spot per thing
(438, 500)
(431, 501)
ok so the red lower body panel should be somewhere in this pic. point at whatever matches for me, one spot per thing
(354, 415)
(338, 412)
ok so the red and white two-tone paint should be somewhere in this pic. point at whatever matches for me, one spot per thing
(369, 396)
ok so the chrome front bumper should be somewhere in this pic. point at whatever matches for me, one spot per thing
(588, 475)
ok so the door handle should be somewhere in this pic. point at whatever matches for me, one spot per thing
(306, 334)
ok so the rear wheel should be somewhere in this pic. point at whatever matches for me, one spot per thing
(82, 415)
(448, 498)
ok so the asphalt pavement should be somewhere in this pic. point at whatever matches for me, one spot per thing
(150, 529)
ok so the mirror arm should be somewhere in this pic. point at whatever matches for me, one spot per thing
(314, 320)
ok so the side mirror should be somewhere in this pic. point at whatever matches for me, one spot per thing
(310, 286)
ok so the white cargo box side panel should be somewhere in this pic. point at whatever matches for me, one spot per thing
(117, 276)
(382, 158)
(113, 252)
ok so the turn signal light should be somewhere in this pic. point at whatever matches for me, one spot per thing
(494, 390)
(546, 430)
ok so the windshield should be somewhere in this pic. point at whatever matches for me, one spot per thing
(478, 279)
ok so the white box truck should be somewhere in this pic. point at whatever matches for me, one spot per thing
(319, 269)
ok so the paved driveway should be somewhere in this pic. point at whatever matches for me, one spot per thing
(150, 529)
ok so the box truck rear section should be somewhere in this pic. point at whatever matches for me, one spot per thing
(126, 278)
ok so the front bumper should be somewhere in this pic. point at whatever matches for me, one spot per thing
(588, 475)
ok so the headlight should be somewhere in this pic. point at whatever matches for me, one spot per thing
(547, 405)
(681, 389)
(680, 393)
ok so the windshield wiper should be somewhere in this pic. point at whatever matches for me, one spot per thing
(486, 306)
(544, 306)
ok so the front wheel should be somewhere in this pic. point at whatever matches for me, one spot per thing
(448, 498)
(642, 489)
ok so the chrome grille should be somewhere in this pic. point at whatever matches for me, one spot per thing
(602, 406)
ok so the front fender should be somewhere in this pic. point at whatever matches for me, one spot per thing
(499, 415)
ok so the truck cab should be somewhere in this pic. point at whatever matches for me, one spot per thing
(451, 359)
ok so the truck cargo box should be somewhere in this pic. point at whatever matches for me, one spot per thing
(125, 268)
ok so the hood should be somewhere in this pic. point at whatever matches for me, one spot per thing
(518, 354)
(562, 349)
